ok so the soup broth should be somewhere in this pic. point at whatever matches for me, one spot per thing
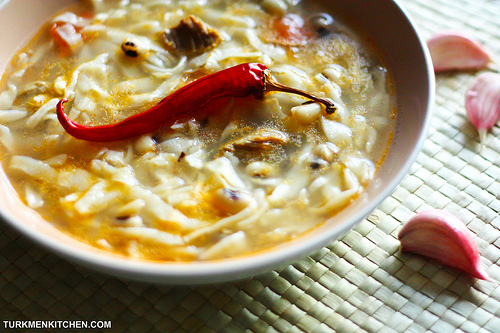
(238, 177)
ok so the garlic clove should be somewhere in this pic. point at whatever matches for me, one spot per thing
(451, 51)
(482, 102)
(443, 237)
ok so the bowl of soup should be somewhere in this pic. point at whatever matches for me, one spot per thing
(200, 141)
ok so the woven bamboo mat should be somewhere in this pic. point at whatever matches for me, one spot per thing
(358, 283)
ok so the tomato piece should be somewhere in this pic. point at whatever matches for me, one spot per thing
(291, 30)
(66, 37)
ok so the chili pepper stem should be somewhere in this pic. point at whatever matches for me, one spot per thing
(270, 84)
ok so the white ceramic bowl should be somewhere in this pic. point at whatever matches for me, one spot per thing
(404, 52)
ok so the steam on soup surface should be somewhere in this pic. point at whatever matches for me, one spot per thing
(239, 177)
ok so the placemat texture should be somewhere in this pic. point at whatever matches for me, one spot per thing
(359, 283)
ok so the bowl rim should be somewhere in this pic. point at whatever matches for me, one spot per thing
(231, 269)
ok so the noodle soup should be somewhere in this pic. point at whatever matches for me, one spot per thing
(238, 177)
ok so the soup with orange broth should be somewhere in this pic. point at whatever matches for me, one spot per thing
(242, 174)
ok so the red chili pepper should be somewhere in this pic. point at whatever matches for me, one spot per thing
(243, 80)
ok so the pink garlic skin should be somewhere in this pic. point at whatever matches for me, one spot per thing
(443, 237)
(482, 101)
(452, 51)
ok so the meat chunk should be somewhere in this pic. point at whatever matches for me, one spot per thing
(263, 145)
(261, 140)
(191, 37)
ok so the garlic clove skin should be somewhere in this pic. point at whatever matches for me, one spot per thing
(443, 237)
(453, 51)
(482, 102)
